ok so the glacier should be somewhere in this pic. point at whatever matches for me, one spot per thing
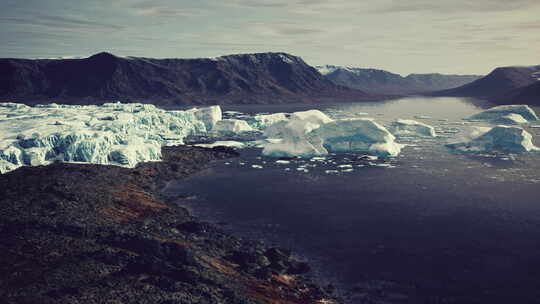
(113, 133)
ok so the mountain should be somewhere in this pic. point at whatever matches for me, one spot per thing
(244, 78)
(526, 95)
(499, 83)
(384, 82)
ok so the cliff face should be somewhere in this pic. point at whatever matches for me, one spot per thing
(245, 78)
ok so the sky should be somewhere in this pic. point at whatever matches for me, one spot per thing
(401, 36)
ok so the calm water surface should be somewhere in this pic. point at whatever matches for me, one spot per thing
(430, 226)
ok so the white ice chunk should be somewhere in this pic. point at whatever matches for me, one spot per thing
(262, 121)
(283, 162)
(404, 127)
(295, 142)
(231, 126)
(356, 135)
(498, 139)
(510, 119)
(500, 111)
(209, 116)
(312, 116)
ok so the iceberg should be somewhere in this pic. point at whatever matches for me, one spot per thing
(510, 119)
(295, 142)
(262, 121)
(356, 135)
(209, 116)
(506, 139)
(311, 116)
(114, 133)
(500, 111)
(404, 127)
(303, 138)
(228, 126)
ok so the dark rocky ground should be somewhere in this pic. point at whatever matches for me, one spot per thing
(73, 233)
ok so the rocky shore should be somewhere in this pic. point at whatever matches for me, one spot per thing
(74, 233)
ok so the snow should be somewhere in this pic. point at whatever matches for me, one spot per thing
(403, 127)
(208, 115)
(497, 139)
(231, 126)
(114, 133)
(500, 111)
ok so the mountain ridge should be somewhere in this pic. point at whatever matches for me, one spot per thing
(380, 81)
(503, 85)
(240, 78)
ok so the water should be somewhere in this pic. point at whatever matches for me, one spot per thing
(428, 227)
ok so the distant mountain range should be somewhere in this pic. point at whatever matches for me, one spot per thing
(504, 85)
(245, 78)
(383, 82)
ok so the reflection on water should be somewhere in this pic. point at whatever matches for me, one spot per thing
(428, 227)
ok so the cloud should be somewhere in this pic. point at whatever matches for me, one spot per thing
(61, 23)
(161, 11)
(400, 6)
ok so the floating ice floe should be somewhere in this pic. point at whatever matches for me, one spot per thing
(227, 126)
(223, 143)
(498, 112)
(506, 139)
(115, 133)
(283, 162)
(404, 127)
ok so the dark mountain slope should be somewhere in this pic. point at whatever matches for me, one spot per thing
(383, 82)
(499, 82)
(528, 95)
(245, 78)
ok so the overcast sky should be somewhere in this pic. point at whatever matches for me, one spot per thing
(402, 36)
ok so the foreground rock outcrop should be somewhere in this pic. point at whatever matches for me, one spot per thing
(73, 233)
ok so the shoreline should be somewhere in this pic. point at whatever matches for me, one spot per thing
(75, 233)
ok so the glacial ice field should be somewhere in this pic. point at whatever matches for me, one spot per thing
(126, 134)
